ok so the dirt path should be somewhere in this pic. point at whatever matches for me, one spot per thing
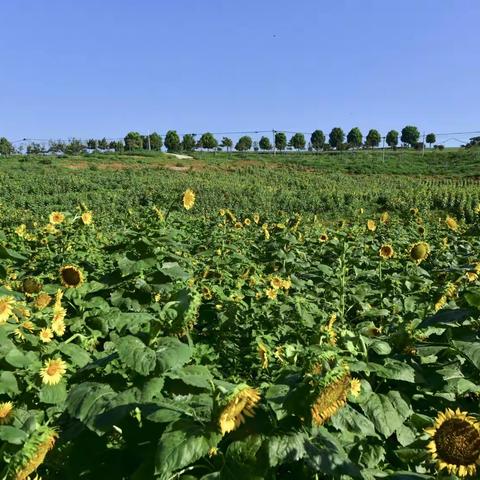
(180, 156)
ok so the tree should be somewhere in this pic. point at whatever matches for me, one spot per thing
(265, 144)
(410, 135)
(188, 142)
(431, 138)
(317, 140)
(354, 137)
(6, 148)
(207, 140)
(35, 148)
(92, 144)
(373, 138)
(227, 143)
(298, 141)
(133, 141)
(280, 141)
(56, 146)
(172, 141)
(244, 143)
(255, 146)
(156, 141)
(103, 144)
(117, 146)
(392, 138)
(74, 147)
(336, 137)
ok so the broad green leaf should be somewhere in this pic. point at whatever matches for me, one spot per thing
(77, 354)
(471, 350)
(285, 448)
(12, 435)
(6, 253)
(241, 461)
(194, 375)
(53, 394)
(172, 353)
(8, 383)
(349, 420)
(136, 355)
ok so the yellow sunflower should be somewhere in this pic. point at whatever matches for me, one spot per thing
(451, 223)
(386, 251)
(71, 276)
(263, 354)
(6, 409)
(421, 229)
(331, 399)
(58, 323)
(46, 335)
(286, 284)
(471, 276)
(87, 218)
(355, 387)
(56, 218)
(384, 217)
(371, 225)
(271, 293)
(276, 282)
(256, 217)
(323, 237)
(241, 403)
(31, 285)
(247, 222)
(42, 301)
(188, 199)
(419, 251)
(440, 303)
(53, 371)
(6, 307)
(455, 443)
(414, 211)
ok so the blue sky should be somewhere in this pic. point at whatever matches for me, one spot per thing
(101, 68)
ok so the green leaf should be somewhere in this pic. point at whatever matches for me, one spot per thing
(10, 254)
(242, 462)
(348, 419)
(408, 476)
(395, 370)
(172, 353)
(12, 435)
(77, 354)
(53, 394)
(285, 448)
(174, 271)
(194, 375)
(471, 350)
(136, 355)
(8, 383)
(473, 298)
(19, 359)
(182, 444)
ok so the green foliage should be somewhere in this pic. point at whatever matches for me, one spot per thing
(373, 138)
(133, 141)
(227, 143)
(336, 137)
(317, 140)
(172, 141)
(392, 138)
(354, 137)
(207, 140)
(280, 141)
(430, 138)
(6, 148)
(154, 141)
(103, 144)
(298, 141)
(188, 142)
(244, 143)
(410, 135)
(265, 144)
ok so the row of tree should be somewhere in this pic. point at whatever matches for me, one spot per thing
(337, 139)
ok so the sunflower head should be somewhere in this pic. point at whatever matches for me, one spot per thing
(46, 335)
(6, 308)
(263, 354)
(331, 399)
(56, 218)
(241, 403)
(276, 282)
(53, 371)
(87, 218)
(6, 409)
(421, 229)
(455, 443)
(247, 222)
(42, 301)
(323, 237)
(355, 387)
(451, 223)
(371, 225)
(384, 217)
(71, 276)
(471, 276)
(386, 251)
(31, 285)
(256, 218)
(414, 211)
(188, 199)
(419, 251)
(271, 293)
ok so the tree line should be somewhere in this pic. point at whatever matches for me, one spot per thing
(337, 140)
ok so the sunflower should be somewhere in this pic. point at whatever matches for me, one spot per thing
(276, 282)
(87, 218)
(286, 284)
(455, 443)
(58, 323)
(355, 387)
(241, 403)
(384, 217)
(247, 222)
(53, 371)
(42, 301)
(21, 230)
(6, 307)
(414, 211)
(256, 217)
(238, 225)
(71, 276)
(32, 454)
(271, 293)
(471, 276)
(188, 199)
(56, 218)
(31, 285)
(386, 251)
(263, 354)
(206, 293)
(419, 251)
(441, 302)
(46, 335)
(451, 223)
(371, 225)
(323, 237)
(331, 399)
(6, 409)
(421, 229)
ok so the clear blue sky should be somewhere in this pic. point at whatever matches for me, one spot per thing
(89, 68)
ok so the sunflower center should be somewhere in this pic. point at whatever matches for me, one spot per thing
(71, 276)
(458, 442)
(3, 307)
(52, 369)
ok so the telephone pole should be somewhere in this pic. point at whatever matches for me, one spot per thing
(273, 143)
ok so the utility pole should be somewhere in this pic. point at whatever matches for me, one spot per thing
(148, 139)
(423, 144)
(273, 143)
(383, 149)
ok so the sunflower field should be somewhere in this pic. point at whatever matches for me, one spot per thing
(179, 341)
